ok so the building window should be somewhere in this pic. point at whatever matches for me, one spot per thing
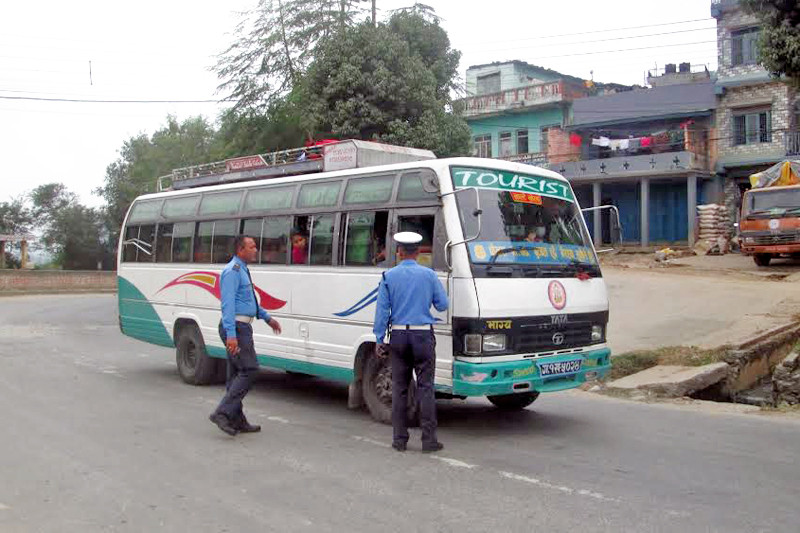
(505, 144)
(752, 127)
(489, 83)
(744, 46)
(522, 141)
(483, 146)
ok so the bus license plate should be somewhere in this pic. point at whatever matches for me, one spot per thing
(560, 368)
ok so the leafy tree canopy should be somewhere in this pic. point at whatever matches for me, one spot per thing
(779, 44)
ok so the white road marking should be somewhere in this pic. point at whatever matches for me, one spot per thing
(560, 488)
(371, 441)
(278, 419)
(453, 462)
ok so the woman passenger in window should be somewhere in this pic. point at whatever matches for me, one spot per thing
(299, 249)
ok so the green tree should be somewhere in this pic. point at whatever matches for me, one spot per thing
(143, 159)
(779, 44)
(15, 219)
(250, 132)
(391, 83)
(278, 40)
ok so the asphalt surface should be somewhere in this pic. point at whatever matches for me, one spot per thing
(99, 434)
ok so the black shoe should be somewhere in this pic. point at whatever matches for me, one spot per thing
(433, 447)
(247, 427)
(399, 446)
(223, 423)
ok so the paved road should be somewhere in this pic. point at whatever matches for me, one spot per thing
(99, 434)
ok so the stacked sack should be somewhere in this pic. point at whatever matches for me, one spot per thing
(714, 227)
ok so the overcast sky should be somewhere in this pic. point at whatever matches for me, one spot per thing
(162, 50)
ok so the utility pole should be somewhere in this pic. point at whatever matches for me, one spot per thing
(374, 14)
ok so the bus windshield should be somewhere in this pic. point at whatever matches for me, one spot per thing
(526, 220)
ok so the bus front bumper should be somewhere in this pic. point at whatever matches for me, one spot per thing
(542, 374)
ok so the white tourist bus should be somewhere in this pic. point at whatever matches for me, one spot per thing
(528, 304)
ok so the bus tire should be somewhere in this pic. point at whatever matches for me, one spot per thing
(762, 260)
(514, 402)
(378, 392)
(195, 366)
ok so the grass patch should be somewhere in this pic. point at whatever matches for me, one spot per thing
(632, 362)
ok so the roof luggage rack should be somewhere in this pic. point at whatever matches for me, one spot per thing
(320, 157)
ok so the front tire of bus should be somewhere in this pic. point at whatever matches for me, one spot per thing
(514, 402)
(762, 260)
(378, 392)
(195, 366)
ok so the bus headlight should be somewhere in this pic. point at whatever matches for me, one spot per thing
(472, 343)
(495, 342)
(597, 333)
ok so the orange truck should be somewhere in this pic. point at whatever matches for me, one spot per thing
(770, 219)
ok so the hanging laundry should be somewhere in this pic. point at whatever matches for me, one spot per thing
(634, 144)
(575, 139)
(601, 141)
(624, 144)
(615, 144)
(646, 142)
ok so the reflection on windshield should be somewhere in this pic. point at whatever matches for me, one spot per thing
(525, 228)
(766, 200)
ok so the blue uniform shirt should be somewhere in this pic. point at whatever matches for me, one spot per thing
(408, 292)
(237, 296)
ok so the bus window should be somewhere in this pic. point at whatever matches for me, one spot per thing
(164, 243)
(366, 238)
(181, 207)
(224, 203)
(252, 228)
(321, 240)
(147, 238)
(422, 224)
(129, 250)
(222, 246)
(273, 240)
(375, 189)
(319, 194)
(269, 198)
(182, 242)
(202, 244)
(300, 234)
(146, 211)
(411, 188)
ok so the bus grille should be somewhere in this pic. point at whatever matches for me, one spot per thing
(546, 337)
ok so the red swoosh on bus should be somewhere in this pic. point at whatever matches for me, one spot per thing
(209, 281)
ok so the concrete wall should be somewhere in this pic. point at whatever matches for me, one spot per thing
(532, 121)
(56, 281)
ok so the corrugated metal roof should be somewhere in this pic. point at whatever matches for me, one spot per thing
(644, 104)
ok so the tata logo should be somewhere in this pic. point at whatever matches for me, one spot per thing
(559, 320)
(558, 338)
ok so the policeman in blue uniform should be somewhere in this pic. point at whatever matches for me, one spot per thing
(405, 296)
(239, 309)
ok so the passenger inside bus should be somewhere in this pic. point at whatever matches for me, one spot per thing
(422, 224)
(299, 249)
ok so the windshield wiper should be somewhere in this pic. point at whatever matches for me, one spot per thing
(502, 251)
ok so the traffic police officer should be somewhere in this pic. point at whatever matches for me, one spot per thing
(239, 309)
(405, 296)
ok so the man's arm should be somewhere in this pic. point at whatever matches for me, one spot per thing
(440, 302)
(262, 314)
(381, 312)
(229, 284)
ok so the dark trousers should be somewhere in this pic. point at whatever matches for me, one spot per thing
(242, 368)
(413, 350)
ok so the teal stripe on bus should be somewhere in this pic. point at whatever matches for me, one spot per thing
(334, 373)
(138, 318)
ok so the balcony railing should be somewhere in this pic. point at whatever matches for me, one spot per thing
(532, 158)
(791, 142)
(620, 167)
(530, 95)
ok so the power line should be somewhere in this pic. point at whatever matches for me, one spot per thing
(93, 101)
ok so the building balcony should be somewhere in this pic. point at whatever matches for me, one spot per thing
(532, 158)
(666, 163)
(538, 94)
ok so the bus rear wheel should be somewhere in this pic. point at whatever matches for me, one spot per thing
(377, 390)
(514, 402)
(762, 260)
(195, 366)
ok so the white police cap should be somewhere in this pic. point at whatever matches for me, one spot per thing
(408, 237)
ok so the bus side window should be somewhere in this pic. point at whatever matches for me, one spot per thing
(164, 243)
(321, 246)
(147, 236)
(202, 243)
(274, 238)
(366, 238)
(300, 238)
(252, 227)
(129, 250)
(182, 242)
(422, 224)
(222, 245)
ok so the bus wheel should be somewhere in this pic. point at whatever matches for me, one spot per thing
(378, 391)
(762, 260)
(194, 364)
(514, 402)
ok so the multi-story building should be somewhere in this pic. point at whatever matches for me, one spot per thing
(511, 107)
(757, 116)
